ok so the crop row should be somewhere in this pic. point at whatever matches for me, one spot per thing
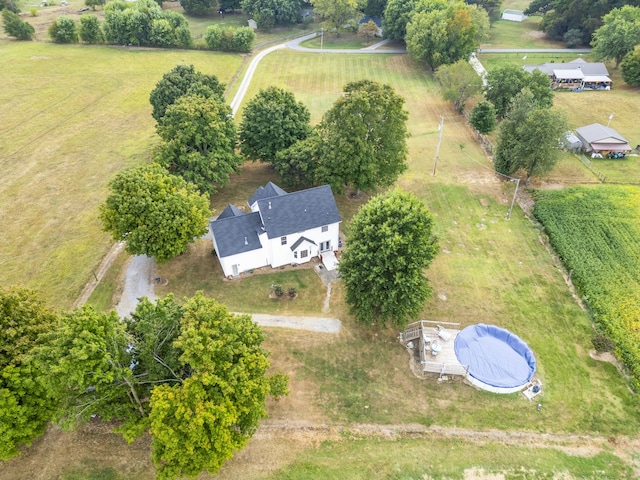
(596, 233)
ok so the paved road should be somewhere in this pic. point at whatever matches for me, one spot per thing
(534, 50)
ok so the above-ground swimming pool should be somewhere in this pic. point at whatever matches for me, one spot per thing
(498, 360)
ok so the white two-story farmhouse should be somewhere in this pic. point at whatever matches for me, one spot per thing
(282, 228)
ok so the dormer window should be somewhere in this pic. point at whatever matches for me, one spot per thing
(283, 240)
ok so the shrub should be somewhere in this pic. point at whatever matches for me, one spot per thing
(292, 292)
(229, 39)
(90, 30)
(63, 30)
(14, 26)
(278, 290)
(602, 343)
(33, 12)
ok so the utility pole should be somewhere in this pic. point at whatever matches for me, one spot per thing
(440, 127)
(513, 200)
(610, 118)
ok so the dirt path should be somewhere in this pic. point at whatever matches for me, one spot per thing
(313, 324)
(104, 266)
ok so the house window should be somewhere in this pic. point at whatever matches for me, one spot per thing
(324, 246)
(283, 240)
(295, 254)
(304, 253)
(325, 228)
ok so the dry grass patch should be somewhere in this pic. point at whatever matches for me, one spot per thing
(73, 117)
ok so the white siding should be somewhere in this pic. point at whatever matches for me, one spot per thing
(283, 255)
(244, 261)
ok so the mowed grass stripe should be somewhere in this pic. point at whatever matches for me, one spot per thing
(72, 117)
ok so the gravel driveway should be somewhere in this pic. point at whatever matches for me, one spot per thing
(138, 283)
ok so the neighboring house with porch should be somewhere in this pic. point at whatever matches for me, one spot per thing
(601, 139)
(576, 75)
(281, 228)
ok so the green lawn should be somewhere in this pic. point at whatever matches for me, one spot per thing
(72, 117)
(409, 459)
(507, 34)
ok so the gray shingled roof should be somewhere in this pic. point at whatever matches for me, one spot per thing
(589, 69)
(237, 234)
(596, 132)
(298, 211)
(230, 211)
(268, 191)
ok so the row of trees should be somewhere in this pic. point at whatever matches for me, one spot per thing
(360, 142)
(529, 130)
(142, 23)
(191, 374)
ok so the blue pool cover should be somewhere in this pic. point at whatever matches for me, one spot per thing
(495, 356)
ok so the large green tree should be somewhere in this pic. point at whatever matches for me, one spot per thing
(442, 33)
(199, 138)
(15, 27)
(618, 35)
(390, 243)
(459, 82)
(336, 13)
(88, 366)
(270, 13)
(182, 79)
(363, 138)
(26, 405)
(272, 121)
(375, 8)
(156, 213)
(504, 83)
(297, 164)
(528, 137)
(492, 7)
(630, 67)
(396, 17)
(198, 424)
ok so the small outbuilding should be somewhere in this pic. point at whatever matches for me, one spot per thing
(598, 138)
(571, 142)
(513, 15)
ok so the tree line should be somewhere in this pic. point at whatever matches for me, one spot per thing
(141, 23)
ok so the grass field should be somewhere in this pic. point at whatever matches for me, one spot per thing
(72, 117)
